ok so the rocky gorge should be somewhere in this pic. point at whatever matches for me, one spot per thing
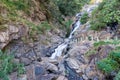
(52, 56)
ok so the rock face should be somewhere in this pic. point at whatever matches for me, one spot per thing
(12, 32)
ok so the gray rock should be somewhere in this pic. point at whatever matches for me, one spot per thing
(30, 72)
(39, 70)
(51, 67)
(25, 61)
(47, 77)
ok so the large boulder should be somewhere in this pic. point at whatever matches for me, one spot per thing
(10, 33)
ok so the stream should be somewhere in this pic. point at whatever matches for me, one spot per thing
(71, 73)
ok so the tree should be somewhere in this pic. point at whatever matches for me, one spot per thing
(70, 7)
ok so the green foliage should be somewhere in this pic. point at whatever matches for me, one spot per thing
(111, 63)
(117, 77)
(13, 5)
(21, 69)
(7, 65)
(108, 65)
(108, 11)
(115, 55)
(84, 18)
(67, 25)
(38, 29)
(70, 7)
(100, 43)
(91, 52)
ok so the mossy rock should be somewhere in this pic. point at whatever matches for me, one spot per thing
(3, 27)
(3, 20)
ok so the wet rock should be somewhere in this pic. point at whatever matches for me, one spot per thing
(39, 70)
(61, 68)
(47, 59)
(51, 67)
(73, 63)
(51, 50)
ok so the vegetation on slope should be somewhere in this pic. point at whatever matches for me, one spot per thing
(84, 18)
(70, 7)
(110, 64)
(108, 12)
(7, 65)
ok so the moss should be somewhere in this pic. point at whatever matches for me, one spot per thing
(3, 20)
(3, 27)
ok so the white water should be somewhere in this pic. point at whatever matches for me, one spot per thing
(77, 26)
(60, 48)
(58, 51)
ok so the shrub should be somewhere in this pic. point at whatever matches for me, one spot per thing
(39, 28)
(13, 5)
(115, 55)
(107, 12)
(108, 65)
(7, 65)
(84, 18)
(70, 7)
(111, 63)
(117, 77)
(67, 26)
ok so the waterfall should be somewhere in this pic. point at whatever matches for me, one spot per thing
(60, 48)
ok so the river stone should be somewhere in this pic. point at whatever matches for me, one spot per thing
(47, 59)
(51, 67)
(73, 63)
(39, 70)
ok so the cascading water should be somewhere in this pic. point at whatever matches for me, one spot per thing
(71, 73)
(60, 48)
